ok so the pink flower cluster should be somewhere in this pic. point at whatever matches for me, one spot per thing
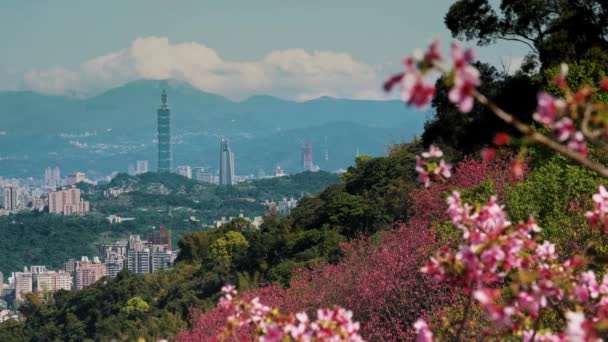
(430, 165)
(551, 112)
(496, 252)
(271, 326)
(418, 90)
(598, 218)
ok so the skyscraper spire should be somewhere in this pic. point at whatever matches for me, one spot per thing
(226, 163)
(163, 98)
(165, 159)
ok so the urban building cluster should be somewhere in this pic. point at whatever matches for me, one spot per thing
(135, 254)
(36, 194)
(282, 207)
(67, 202)
(256, 222)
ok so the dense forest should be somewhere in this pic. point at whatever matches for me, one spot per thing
(180, 204)
(361, 243)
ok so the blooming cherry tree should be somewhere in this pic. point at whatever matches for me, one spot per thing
(270, 325)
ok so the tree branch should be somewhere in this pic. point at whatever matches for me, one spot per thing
(512, 39)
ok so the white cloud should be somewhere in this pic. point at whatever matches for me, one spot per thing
(293, 73)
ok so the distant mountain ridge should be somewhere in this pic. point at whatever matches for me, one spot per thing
(39, 130)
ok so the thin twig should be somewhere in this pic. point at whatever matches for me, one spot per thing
(465, 316)
(535, 136)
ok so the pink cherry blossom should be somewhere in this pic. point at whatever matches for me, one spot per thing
(423, 333)
(430, 168)
(460, 56)
(548, 109)
(598, 218)
(466, 79)
(577, 143)
(433, 152)
(564, 129)
(444, 169)
(546, 251)
(416, 90)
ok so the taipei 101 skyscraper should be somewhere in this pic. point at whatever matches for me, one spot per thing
(165, 159)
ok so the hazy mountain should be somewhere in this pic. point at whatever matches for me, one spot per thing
(106, 132)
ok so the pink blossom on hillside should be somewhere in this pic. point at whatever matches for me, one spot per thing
(430, 167)
(423, 333)
(598, 218)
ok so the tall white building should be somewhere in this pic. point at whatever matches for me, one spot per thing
(141, 166)
(9, 198)
(23, 284)
(185, 171)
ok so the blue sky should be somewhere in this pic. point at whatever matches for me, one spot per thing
(49, 40)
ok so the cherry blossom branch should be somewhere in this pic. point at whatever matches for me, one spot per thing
(537, 137)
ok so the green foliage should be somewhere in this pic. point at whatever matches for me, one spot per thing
(13, 331)
(557, 193)
(135, 306)
(581, 73)
(229, 247)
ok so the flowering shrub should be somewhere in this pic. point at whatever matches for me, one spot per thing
(269, 325)
(496, 253)
(430, 165)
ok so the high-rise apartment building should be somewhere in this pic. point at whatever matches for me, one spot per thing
(307, 164)
(161, 258)
(138, 255)
(165, 159)
(185, 171)
(9, 198)
(114, 256)
(23, 284)
(150, 256)
(226, 163)
(161, 236)
(52, 177)
(141, 166)
(1, 284)
(88, 272)
(67, 202)
(52, 281)
(76, 177)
